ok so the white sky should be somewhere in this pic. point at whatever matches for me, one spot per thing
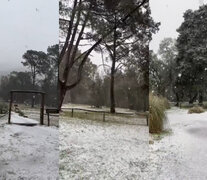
(33, 24)
(170, 14)
(26, 24)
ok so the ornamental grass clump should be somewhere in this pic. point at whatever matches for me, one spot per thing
(158, 105)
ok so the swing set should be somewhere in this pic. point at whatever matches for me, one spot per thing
(27, 92)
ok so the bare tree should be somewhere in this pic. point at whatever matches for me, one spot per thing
(76, 23)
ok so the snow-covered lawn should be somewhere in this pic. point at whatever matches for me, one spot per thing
(28, 153)
(98, 150)
(88, 107)
(183, 154)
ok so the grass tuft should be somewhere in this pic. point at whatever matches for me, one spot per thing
(196, 109)
(158, 105)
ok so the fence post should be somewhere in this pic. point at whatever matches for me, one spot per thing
(42, 109)
(10, 107)
(48, 119)
(72, 112)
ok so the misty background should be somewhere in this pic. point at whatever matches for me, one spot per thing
(26, 25)
(170, 14)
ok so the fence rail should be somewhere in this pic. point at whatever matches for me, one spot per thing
(145, 114)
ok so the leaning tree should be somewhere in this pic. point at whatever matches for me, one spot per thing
(77, 26)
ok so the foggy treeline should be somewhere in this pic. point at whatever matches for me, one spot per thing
(94, 88)
(41, 75)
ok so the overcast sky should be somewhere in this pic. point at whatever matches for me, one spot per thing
(33, 24)
(26, 24)
(170, 14)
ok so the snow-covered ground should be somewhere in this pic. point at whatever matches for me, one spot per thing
(88, 107)
(15, 118)
(102, 150)
(35, 114)
(28, 153)
(182, 154)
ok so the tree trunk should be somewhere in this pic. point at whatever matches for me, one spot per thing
(192, 100)
(87, 53)
(61, 96)
(146, 90)
(112, 98)
(33, 84)
(112, 95)
(177, 99)
(200, 98)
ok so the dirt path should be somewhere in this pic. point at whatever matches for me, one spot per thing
(97, 150)
(183, 154)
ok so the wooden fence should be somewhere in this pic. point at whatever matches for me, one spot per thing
(104, 113)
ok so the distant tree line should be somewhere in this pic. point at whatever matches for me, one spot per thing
(42, 75)
(94, 88)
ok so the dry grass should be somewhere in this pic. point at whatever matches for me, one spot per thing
(196, 109)
(158, 105)
(130, 119)
(166, 102)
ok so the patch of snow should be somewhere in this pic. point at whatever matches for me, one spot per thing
(97, 150)
(28, 152)
(183, 154)
(15, 118)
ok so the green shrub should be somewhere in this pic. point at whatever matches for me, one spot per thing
(196, 109)
(158, 105)
(21, 113)
(3, 108)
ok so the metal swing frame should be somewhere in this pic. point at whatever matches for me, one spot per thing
(28, 92)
